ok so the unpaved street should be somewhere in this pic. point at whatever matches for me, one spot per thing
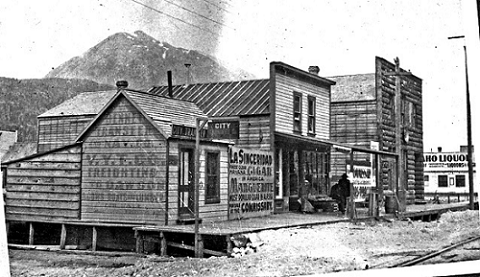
(293, 251)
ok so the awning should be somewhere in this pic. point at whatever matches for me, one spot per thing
(323, 142)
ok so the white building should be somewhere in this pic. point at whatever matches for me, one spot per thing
(447, 172)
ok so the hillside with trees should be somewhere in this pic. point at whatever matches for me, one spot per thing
(22, 100)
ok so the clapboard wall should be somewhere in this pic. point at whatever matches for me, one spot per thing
(44, 187)
(207, 212)
(285, 88)
(123, 168)
(57, 131)
(254, 132)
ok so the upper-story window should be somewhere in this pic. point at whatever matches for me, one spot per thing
(297, 112)
(311, 114)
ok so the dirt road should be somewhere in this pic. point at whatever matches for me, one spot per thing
(293, 251)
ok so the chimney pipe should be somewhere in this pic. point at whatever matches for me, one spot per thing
(121, 84)
(314, 69)
(170, 86)
(439, 149)
(188, 65)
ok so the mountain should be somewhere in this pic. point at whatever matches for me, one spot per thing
(144, 61)
(21, 101)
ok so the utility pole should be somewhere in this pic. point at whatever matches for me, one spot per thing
(401, 162)
(469, 132)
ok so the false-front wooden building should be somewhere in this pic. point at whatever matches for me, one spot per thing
(131, 164)
(382, 110)
(288, 113)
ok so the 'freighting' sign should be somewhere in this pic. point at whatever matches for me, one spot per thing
(251, 183)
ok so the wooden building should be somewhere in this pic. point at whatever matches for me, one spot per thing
(288, 113)
(364, 113)
(447, 172)
(131, 165)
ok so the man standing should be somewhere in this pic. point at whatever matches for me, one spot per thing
(341, 191)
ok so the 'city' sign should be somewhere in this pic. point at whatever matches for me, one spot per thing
(224, 129)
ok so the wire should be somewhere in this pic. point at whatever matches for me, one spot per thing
(195, 13)
(217, 6)
(176, 18)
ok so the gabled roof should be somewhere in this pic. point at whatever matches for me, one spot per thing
(353, 87)
(224, 98)
(158, 110)
(7, 140)
(20, 150)
(86, 103)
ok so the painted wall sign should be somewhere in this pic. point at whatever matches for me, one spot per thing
(224, 129)
(445, 161)
(185, 131)
(251, 189)
(362, 178)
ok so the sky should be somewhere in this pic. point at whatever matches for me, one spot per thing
(341, 37)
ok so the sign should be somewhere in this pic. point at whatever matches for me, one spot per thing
(251, 189)
(224, 129)
(362, 179)
(185, 131)
(446, 161)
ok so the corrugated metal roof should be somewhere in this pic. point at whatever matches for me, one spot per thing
(163, 109)
(82, 104)
(224, 98)
(353, 87)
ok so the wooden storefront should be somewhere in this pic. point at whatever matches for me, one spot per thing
(132, 165)
(287, 114)
(364, 113)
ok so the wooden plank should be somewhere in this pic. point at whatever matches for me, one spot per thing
(163, 244)
(43, 203)
(18, 212)
(42, 180)
(42, 196)
(44, 173)
(47, 165)
(124, 211)
(124, 219)
(124, 205)
(44, 188)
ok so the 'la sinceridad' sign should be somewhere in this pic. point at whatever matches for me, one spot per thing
(251, 183)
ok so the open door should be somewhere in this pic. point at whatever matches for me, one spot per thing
(186, 176)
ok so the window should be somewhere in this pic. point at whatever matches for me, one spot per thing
(442, 181)
(297, 112)
(426, 178)
(212, 182)
(460, 181)
(311, 114)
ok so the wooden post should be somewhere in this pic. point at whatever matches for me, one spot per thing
(199, 125)
(63, 236)
(229, 244)
(94, 238)
(31, 234)
(138, 242)
(163, 244)
(200, 246)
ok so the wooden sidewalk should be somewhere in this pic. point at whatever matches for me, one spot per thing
(216, 237)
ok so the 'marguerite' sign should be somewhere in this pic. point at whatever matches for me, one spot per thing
(251, 183)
